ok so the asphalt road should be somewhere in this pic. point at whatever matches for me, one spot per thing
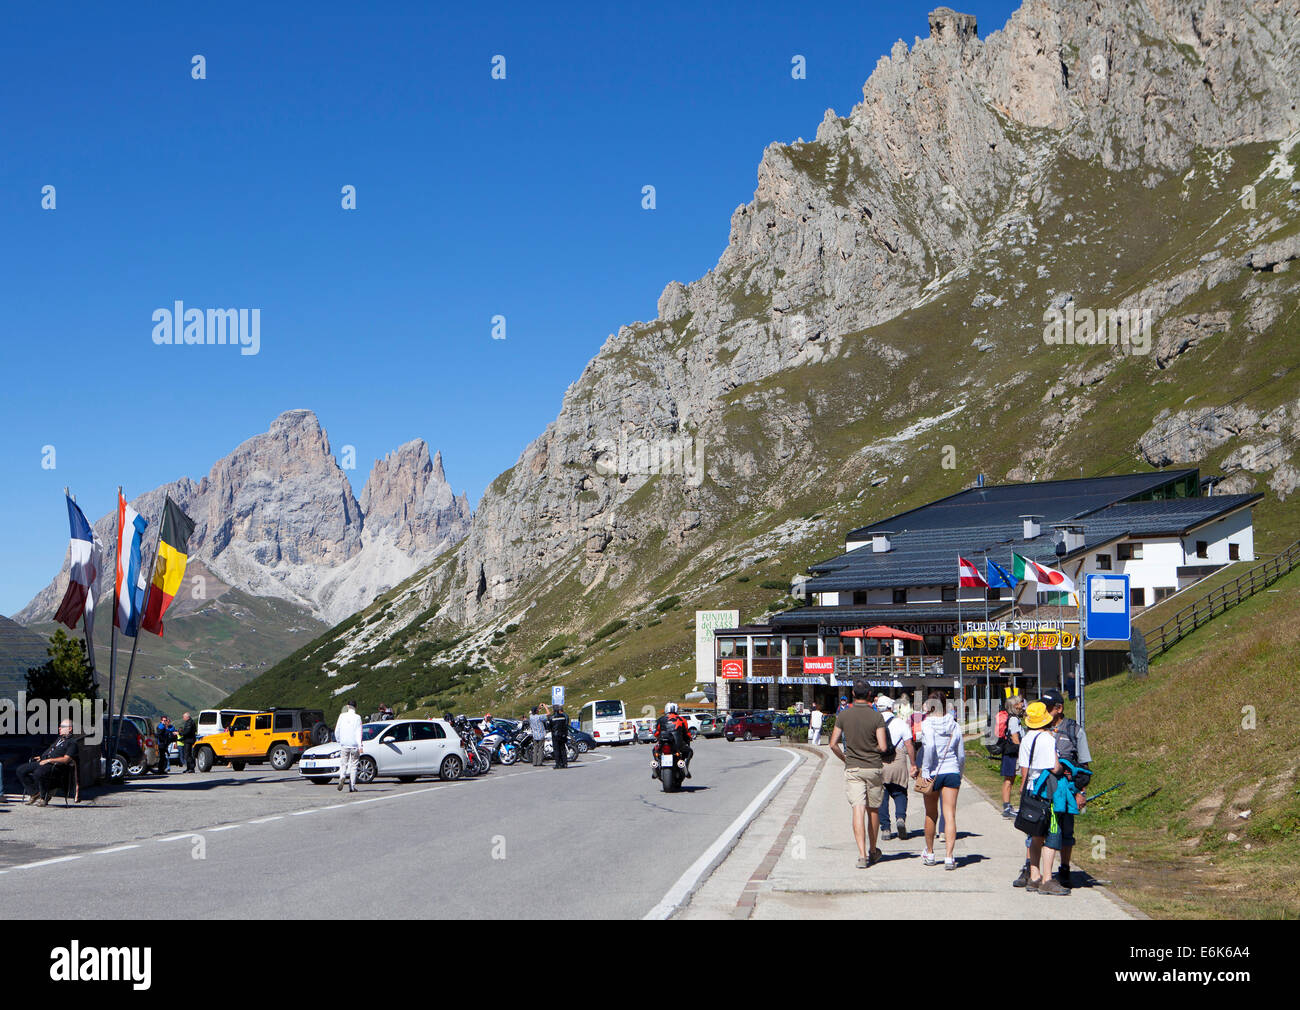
(602, 834)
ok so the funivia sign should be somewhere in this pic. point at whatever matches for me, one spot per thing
(706, 623)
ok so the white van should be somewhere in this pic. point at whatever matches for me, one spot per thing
(214, 720)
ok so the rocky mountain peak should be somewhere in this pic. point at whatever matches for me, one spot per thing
(946, 24)
(407, 493)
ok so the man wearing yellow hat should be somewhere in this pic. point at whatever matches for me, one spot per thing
(1038, 754)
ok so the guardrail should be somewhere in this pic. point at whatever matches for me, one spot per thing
(1215, 602)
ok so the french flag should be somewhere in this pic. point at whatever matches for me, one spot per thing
(129, 585)
(87, 555)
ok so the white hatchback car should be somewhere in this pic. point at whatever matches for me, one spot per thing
(403, 749)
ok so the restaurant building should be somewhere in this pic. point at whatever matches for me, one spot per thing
(1163, 529)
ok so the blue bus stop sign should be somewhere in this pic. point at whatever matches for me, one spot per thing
(1108, 613)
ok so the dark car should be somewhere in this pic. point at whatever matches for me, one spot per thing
(583, 741)
(131, 758)
(784, 722)
(749, 726)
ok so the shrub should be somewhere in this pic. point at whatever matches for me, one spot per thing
(609, 629)
(665, 605)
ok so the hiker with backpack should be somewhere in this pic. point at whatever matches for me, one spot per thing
(1072, 749)
(1038, 762)
(1008, 742)
(942, 762)
(900, 768)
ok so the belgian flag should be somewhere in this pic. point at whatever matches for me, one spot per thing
(169, 566)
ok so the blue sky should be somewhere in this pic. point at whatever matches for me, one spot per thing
(475, 198)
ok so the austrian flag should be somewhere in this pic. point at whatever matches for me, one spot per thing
(969, 576)
(1048, 579)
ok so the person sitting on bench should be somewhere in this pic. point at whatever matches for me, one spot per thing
(40, 773)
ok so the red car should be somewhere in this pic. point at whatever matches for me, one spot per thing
(751, 726)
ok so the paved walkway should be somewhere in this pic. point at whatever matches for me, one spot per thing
(796, 861)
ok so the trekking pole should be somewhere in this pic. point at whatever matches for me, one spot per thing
(1111, 789)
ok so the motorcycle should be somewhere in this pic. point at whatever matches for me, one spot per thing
(548, 749)
(501, 744)
(479, 757)
(668, 763)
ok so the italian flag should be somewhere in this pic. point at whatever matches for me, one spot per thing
(1048, 579)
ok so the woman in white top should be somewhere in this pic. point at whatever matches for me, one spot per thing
(944, 758)
(815, 725)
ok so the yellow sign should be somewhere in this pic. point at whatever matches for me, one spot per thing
(1066, 640)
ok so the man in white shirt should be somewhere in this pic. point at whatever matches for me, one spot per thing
(1037, 754)
(347, 733)
(815, 725)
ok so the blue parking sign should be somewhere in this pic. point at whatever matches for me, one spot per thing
(1108, 613)
(557, 695)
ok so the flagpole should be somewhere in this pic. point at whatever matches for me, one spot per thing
(126, 686)
(961, 676)
(112, 648)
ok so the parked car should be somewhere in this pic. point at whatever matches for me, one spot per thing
(404, 749)
(583, 741)
(130, 760)
(645, 730)
(278, 736)
(748, 726)
(711, 725)
(783, 722)
(216, 720)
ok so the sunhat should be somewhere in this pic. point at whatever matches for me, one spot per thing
(1036, 716)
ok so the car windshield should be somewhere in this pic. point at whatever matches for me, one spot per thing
(371, 730)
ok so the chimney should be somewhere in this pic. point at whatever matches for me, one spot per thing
(1071, 535)
(1032, 529)
(880, 541)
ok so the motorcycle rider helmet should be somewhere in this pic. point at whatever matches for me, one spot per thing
(670, 708)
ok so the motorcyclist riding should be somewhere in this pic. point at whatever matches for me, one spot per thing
(673, 723)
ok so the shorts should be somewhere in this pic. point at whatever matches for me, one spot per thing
(1060, 832)
(864, 786)
(1009, 766)
(949, 780)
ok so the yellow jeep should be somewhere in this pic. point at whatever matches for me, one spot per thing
(277, 736)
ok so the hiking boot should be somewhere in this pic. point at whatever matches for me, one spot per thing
(1007, 812)
(1033, 886)
(1023, 879)
(902, 831)
(1063, 878)
(1053, 887)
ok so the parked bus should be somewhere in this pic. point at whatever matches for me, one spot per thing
(606, 721)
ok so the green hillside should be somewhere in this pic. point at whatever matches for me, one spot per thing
(1176, 843)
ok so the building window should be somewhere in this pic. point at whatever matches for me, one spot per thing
(1137, 597)
(833, 645)
(1202, 548)
(742, 648)
(1103, 562)
(859, 597)
(1234, 552)
(762, 647)
(900, 595)
(795, 646)
(1164, 592)
(726, 647)
(995, 594)
(948, 594)
(1129, 552)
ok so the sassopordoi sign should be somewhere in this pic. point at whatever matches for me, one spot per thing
(1019, 634)
(706, 623)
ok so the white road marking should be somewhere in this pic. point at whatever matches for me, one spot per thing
(119, 848)
(177, 838)
(263, 820)
(44, 862)
(688, 881)
(227, 827)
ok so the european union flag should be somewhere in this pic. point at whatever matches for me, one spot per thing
(999, 577)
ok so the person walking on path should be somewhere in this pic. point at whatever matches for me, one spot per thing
(942, 765)
(537, 728)
(815, 725)
(898, 772)
(1010, 743)
(1072, 746)
(1037, 755)
(189, 733)
(347, 731)
(862, 731)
